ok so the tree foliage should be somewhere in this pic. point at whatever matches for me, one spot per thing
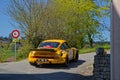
(73, 20)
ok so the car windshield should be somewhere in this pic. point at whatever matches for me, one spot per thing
(48, 45)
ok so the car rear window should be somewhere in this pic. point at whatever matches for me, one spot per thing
(48, 45)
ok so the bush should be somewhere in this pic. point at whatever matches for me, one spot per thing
(23, 51)
(4, 45)
(106, 46)
(2, 54)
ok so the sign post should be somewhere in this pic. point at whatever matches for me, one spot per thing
(15, 35)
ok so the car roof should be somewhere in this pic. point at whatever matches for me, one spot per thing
(54, 40)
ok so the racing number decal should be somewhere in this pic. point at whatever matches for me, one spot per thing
(70, 54)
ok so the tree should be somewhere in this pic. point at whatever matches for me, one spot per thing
(81, 19)
(27, 14)
(73, 20)
(93, 18)
(105, 10)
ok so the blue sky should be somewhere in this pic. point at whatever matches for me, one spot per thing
(6, 27)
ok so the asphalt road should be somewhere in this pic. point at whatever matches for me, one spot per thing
(81, 70)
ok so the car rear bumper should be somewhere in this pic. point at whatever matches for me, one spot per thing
(47, 61)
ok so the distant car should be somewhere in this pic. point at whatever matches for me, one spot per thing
(53, 52)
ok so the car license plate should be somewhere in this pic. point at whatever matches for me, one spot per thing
(43, 60)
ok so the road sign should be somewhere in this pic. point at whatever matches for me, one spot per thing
(15, 33)
(15, 40)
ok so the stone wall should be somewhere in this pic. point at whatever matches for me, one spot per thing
(101, 67)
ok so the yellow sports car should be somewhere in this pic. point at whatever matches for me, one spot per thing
(53, 52)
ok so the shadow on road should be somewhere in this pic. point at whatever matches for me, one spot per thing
(47, 76)
(61, 66)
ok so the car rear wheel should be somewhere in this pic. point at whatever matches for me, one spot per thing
(66, 64)
(33, 64)
(76, 57)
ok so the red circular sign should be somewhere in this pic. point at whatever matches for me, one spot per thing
(15, 33)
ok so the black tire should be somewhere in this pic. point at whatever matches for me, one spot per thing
(32, 64)
(76, 57)
(66, 64)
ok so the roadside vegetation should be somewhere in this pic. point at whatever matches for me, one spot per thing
(7, 50)
(23, 47)
(89, 50)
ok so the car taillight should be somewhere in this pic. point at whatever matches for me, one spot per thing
(34, 56)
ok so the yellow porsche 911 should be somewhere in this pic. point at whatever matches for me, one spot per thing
(53, 52)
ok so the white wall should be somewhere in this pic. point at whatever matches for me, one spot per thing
(115, 40)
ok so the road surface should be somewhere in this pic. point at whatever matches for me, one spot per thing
(81, 70)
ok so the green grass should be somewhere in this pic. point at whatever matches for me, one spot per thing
(9, 53)
(88, 50)
(5, 54)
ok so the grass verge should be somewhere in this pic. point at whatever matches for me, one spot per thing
(88, 50)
